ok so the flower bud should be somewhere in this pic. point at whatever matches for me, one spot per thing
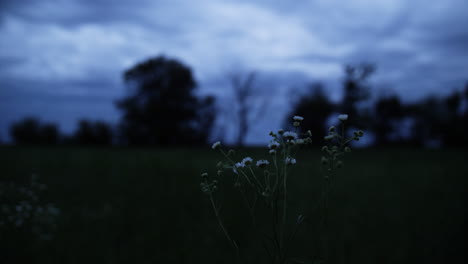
(262, 163)
(231, 152)
(298, 118)
(204, 175)
(324, 161)
(273, 144)
(300, 219)
(290, 161)
(343, 117)
(347, 149)
(296, 124)
(339, 164)
(290, 135)
(332, 129)
(247, 161)
(299, 141)
(216, 145)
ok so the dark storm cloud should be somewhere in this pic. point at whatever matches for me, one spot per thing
(63, 50)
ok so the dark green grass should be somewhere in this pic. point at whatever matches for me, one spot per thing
(145, 206)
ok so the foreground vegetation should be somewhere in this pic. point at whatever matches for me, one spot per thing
(145, 206)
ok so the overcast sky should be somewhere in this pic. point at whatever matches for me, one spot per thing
(62, 60)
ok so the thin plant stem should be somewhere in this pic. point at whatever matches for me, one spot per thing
(225, 232)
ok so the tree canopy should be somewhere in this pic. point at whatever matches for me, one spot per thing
(161, 107)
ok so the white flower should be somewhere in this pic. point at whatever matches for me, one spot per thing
(329, 137)
(216, 145)
(273, 145)
(298, 118)
(343, 117)
(290, 161)
(247, 161)
(237, 165)
(272, 151)
(262, 163)
(290, 135)
(299, 141)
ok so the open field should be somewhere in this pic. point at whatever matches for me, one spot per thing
(145, 206)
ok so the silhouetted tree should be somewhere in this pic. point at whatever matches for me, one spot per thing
(440, 119)
(388, 112)
(248, 106)
(161, 108)
(30, 131)
(428, 116)
(452, 124)
(355, 91)
(93, 133)
(315, 107)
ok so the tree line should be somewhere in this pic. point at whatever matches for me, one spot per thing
(161, 108)
(430, 122)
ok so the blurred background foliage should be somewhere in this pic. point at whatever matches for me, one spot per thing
(161, 108)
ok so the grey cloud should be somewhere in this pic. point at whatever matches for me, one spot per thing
(417, 48)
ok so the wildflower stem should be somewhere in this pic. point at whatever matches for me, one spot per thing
(253, 175)
(226, 234)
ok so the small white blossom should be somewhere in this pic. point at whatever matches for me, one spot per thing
(262, 163)
(290, 135)
(237, 165)
(247, 161)
(216, 145)
(299, 141)
(298, 118)
(272, 151)
(343, 117)
(329, 137)
(290, 161)
(273, 145)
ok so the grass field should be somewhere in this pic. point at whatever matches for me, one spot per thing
(145, 206)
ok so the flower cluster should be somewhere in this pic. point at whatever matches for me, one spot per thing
(208, 187)
(23, 208)
(281, 150)
(266, 179)
(337, 145)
